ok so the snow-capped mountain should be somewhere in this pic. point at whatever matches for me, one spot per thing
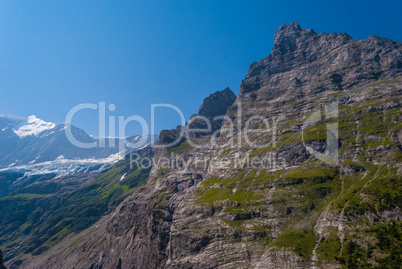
(32, 126)
(33, 146)
(63, 167)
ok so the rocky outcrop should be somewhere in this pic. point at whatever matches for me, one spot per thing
(210, 115)
(217, 103)
(208, 120)
(274, 198)
(174, 136)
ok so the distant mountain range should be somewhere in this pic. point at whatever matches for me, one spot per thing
(31, 145)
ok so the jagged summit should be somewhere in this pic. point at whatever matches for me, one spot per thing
(213, 106)
(301, 58)
(287, 34)
(291, 36)
(217, 103)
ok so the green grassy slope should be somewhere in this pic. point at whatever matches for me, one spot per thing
(32, 220)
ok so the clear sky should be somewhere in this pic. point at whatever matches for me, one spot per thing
(57, 54)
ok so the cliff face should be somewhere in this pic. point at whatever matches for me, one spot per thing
(1, 261)
(316, 186)
(217, 104)
(301, 57)
(207, 121)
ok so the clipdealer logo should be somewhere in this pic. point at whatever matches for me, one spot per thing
(238, 134)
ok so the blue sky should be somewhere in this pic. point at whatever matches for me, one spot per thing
(57, 54)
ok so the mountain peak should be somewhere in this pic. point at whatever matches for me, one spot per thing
(34, 126)
(289, 29)
(310, 55)
(290, 37)
(217, 103)
(286, 36)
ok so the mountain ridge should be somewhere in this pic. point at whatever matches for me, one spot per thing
(31, 141)
(306, 214)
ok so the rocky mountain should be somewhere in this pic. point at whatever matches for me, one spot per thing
(210, 113)
(45, 179)
(46, 210)
(207, 121)
(304, 173)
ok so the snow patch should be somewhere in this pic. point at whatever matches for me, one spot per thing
(62, 166)
(60, 158)
(48, 134)
(34, 127)
(123, 176)
(144, 146)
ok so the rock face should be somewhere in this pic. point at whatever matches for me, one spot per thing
(173, 136)
(210, 115)
(353, 62)
(316, 187)
(217, 103)
(208, 120)
(1, 261)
